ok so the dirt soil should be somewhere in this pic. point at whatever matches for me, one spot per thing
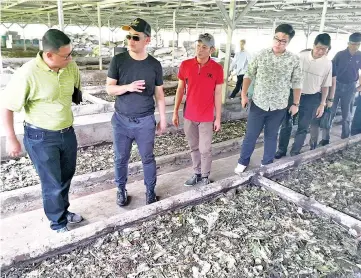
(249, 234)
(334, 180)
(85, 102)
(20, 172)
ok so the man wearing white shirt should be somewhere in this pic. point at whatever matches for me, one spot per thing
(317, 78)
(240, 63)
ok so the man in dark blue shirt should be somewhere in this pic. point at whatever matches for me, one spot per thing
(135, 77)
(347, 65)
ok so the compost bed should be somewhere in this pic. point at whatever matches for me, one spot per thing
(252, 233)
(20, 172)
(334, 180)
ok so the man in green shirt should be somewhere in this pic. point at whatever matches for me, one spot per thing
(43, 87)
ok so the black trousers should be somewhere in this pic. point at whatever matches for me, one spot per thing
(238, 87)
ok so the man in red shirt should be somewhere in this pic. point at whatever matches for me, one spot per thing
(201, 79)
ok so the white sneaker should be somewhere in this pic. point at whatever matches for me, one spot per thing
(240, 169)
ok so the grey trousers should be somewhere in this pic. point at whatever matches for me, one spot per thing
(199, 136)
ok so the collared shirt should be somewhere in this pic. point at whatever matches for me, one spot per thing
(45, 95)
(240, 62)
(274, 76)
(200, 82)
(317, 73)
(347, 66)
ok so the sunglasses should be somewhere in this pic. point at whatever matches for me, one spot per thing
(134, 38)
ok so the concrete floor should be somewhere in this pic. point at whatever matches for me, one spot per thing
(22, 229)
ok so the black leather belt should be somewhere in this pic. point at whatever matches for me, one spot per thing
(47, 130)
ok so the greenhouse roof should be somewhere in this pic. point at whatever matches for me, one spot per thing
(342, 16)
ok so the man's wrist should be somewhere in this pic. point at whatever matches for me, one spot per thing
(11, 137)
(295, 104)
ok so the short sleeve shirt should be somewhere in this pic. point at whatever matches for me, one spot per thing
(45, 95)
(347, 66)
(200, 82)
(126, 70)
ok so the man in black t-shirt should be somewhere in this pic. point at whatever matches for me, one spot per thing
(135, 77)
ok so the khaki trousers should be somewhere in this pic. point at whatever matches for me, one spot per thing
(199, 136)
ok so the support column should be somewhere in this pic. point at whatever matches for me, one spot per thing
(232, 6)
(49, 22)
(308, 33)
(23, 29)
(274, 28)
(110, 32)
(61, 15)
(323, 18)
(173, 38)
(100, 37)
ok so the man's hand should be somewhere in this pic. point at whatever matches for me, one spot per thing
(161, 127)
(320, 111)
(244, 101)
(217, 125)
(136, 86)
(358, 89)
(13, 147)
(329, 104)
(175, 119)
(293, 110)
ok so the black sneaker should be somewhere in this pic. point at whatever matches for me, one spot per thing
(150, 197)
(324, 142)
(279, 154)
(205, 181)
(196, 178)
(122, 197)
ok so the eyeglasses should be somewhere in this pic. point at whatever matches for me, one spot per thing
(282, 42)
(133, 37)
(67, 56)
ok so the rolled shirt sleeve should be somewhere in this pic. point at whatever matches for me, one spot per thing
(252, 69)
(327, 82)
(296, 78)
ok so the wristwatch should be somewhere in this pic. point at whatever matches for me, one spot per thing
(330, 99)
(296, 104)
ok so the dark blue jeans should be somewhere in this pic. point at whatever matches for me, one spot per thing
(54, 157)
(257, 120)
(307, 111)
(142, 131)
(345, 94)
(356, 122)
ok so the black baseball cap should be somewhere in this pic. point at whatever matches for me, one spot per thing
(139, 25)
